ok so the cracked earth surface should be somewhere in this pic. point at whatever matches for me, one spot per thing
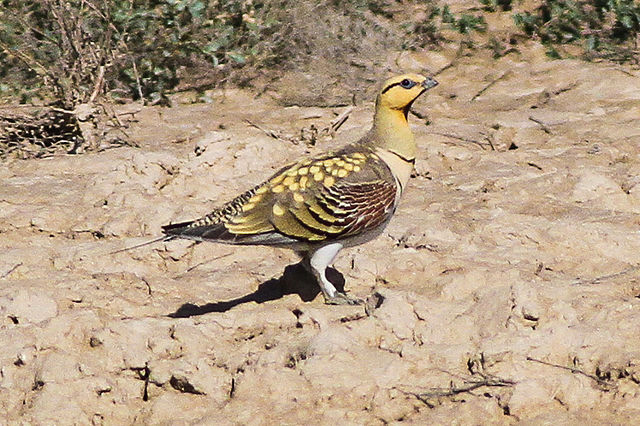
(506, 289)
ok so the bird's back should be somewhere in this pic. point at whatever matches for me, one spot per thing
(331, 196)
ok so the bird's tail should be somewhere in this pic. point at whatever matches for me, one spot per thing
(217, 232)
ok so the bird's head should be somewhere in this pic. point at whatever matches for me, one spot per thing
(399, 92)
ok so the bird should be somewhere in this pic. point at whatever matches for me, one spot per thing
(321, 204)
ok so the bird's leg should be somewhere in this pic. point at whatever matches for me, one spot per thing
(318, 262)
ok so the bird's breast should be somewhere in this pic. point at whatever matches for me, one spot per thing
(400, 167)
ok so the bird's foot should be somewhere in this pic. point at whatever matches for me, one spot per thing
(342, 299)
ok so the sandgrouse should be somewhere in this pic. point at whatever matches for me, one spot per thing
(319, 205)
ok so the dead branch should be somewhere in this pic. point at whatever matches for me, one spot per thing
(308, 135)
(489, 139)
(467, 387)
(13, 268)
(339, 121)
(460, 138)
(271, 133)
(97, 87)
(485, 88)
(26, 59)
(138, 84)
(602, 278)
(415, 113)
(543, 126)
(602, 383)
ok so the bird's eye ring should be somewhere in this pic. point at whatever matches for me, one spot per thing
(407, 84)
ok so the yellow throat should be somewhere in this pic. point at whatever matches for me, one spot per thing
(391, 135)
(392, 132)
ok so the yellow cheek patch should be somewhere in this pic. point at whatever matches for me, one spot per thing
(277, 209)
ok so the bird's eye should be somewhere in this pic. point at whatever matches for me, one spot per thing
(407, 84)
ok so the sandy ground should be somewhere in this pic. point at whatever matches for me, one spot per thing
(508, 283)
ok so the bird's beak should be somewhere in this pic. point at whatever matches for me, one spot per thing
(429, 82)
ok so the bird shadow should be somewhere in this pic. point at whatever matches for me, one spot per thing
(295, 280)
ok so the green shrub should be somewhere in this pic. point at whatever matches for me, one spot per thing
(604, 27)
(465, 23)
(427, 32)
(141, 44)
(144, 46)
(71, 51)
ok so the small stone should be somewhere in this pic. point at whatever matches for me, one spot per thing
(181, 383)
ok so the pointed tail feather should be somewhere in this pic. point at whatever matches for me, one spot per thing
(176, 228)
(220, 234)
(216, 232)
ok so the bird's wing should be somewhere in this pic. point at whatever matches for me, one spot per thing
(329, 197)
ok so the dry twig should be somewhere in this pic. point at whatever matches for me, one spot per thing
(543, 126)
(460, 138)
(605, 385)
(453, 390)
(485, 88)
(13, 268)
(602, 278)
(338, 122)
(269, 132)
(308, 135)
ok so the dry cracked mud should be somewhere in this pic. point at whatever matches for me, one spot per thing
(506, 289)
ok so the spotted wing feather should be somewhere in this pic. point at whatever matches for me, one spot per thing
(330, 197)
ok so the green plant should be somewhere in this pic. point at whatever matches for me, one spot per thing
(603, 27)
(136, 48)
(465, 23)
(427, 31)
(494, 5)
(141, 49)
(48, 44)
